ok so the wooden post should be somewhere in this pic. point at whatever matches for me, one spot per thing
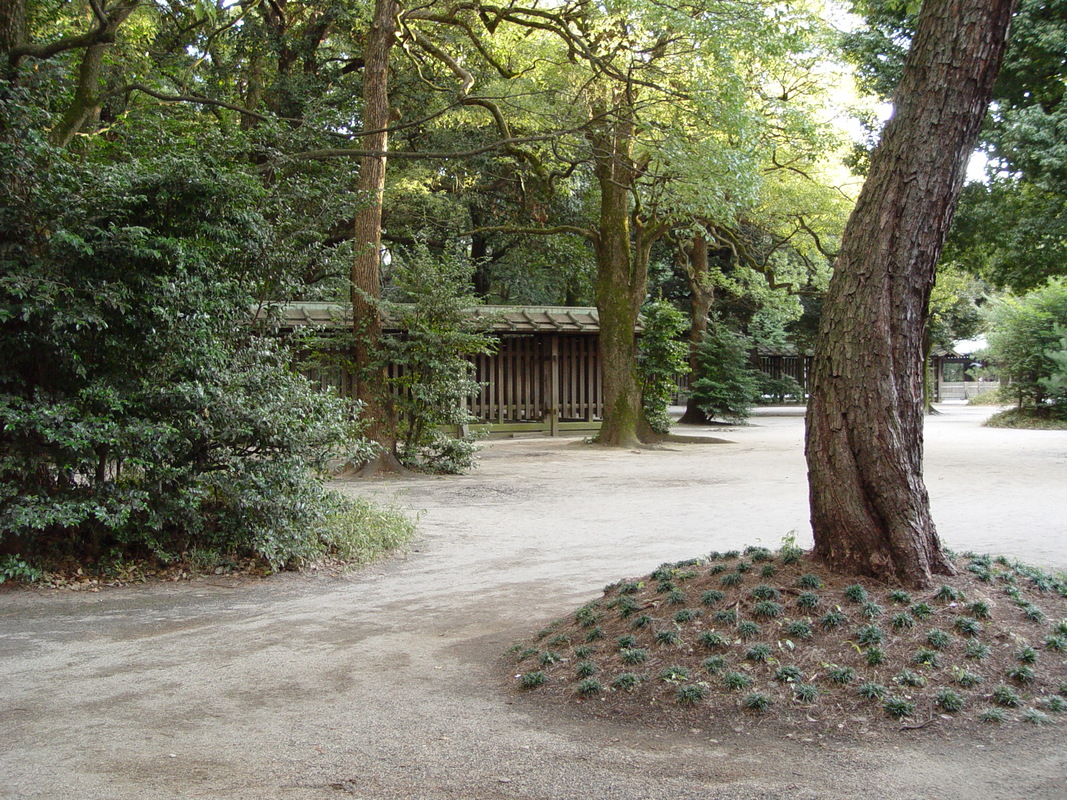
(552, 385)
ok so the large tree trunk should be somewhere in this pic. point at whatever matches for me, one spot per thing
(869, 507)
(694, 264)
(620, 283)
(371, 384)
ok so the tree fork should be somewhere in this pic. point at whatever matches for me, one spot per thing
(870, 511)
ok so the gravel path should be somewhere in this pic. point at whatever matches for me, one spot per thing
(385, 684)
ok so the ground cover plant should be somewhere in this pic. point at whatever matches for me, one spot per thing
(986, 646)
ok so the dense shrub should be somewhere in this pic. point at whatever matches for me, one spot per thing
(139, 412)
(661, 358)
(726, 385)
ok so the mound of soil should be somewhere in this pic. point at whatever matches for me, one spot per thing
(763, 635)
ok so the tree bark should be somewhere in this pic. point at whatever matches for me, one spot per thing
(869, 506)
(621, 279)
(371, 383)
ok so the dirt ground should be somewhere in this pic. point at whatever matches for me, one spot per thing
(384, 684)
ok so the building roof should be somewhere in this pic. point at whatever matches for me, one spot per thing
(500, 319)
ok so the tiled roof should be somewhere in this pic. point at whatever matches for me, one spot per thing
(501, 319)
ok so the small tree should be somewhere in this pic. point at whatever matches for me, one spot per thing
(726, 385)
(434, 376)
(661, 357)
(1025, 344)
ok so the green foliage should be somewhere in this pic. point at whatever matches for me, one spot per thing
(140, 413)
(661, 357)
(434, 376)
(726, 385)
(1026, 347)
(531, 680)
(626, 680)
(691, 693)
(13, 568)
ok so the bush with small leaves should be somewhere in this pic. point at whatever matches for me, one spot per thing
(711, 639)
(807, 600)
(587, 616)
(921, 611)
(909, 678)
(965, 678)
(875, 656)
(531, 680)
(806, 692)
(686, 615)
(1056, 704)
(968, 626)
(950, 701)
(1061, 627)
(768, 571)
(800, 629)
(732, 579)
(748, 629)
(938, 638)
(1033, 613)
(548, 658)
(711, 597)
(758, 701)
(758, 554)
(643, 621)
(1035, 717)
(948, 594)
(743, 566)
(767, 609)
(790, 554)
(809, 581)
(976, 650)
(668, 637)
(841, 675)
(674, 673)
(900, 597)
(526, 653)
(627, 641)
(666, 587)
(626, 680)
(1005, 696)
(691, 693)
(558, 641)
(869, 634)
(727, 616)
(898, 707)
(676, 598)
(633, 655)
(856, 594)
(594, 634)
(872, 610)
(715, 664)
(788, 673)
(736, 680)
(902, 621)
(628, 607)
(1026, 655)
(729, 555)
(585, 668)
(764, 592)
(925, 657)
(1056, 643)
(993, 715)
(589, 686)
(872, 691)
(980, 609)
(758, 653)
(717, 569)
(833, 619)
(630, 587)
(1022, 674)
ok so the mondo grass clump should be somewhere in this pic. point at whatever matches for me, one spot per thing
(760, 636)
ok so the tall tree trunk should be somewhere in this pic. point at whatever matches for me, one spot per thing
(371, 384)
(869, 507)
(694, 263)
(620, 282)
